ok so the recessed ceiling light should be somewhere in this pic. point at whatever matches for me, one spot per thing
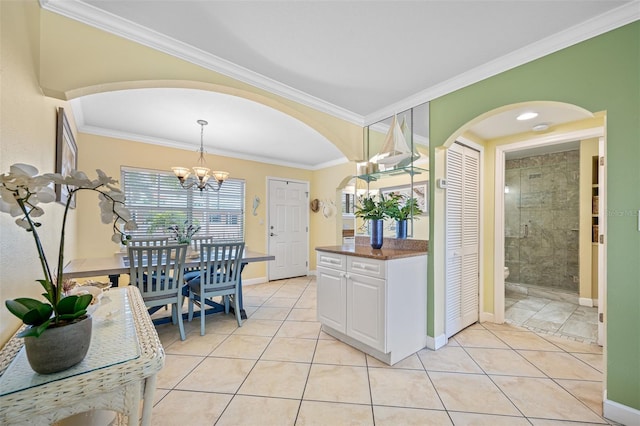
(540, 127)
(527, 116)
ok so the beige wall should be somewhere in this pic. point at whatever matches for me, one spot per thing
(110, 154)
(488, 212)
(27, 135)
(588, 282)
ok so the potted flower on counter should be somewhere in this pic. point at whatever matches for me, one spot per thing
(404, 208)
(60, 317)
(375, 209)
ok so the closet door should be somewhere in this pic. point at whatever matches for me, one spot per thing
(462, 237)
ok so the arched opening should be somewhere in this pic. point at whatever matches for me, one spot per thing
(503, 139)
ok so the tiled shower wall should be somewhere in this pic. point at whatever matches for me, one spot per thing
(542, 220)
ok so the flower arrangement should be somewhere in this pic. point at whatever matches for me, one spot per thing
(369, 208)
(404, 208)
(21, 190)
(183, 233)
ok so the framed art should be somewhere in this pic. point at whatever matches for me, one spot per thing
(420, 193)
(66, 156)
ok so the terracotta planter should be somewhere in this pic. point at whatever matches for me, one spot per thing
(59, 348)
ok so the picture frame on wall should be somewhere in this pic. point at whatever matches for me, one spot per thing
(66, 156)
(420, 193)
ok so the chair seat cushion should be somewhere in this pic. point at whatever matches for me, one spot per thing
(194, 285)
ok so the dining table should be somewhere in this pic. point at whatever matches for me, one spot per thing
(118, 264)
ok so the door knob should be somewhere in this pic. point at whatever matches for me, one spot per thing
(273, 235)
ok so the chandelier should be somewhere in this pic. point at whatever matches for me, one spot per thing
(200, 172)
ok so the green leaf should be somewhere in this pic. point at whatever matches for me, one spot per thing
(35, 331)
(16, 308)
(38, 316)
(71, 305)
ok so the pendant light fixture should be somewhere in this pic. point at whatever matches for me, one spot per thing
(200, 172)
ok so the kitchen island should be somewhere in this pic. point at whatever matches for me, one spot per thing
(375, 299)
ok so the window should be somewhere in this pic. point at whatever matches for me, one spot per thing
(157, 201)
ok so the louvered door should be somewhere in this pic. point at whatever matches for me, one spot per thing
(462, 237)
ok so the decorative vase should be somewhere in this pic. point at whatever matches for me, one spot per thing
(377, 229)
(59, 348)
(401, 229)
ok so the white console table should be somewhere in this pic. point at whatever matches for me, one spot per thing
(118, 373)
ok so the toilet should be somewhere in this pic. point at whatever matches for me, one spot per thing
(506, 272)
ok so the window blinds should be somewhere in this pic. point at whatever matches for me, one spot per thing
(157, 201)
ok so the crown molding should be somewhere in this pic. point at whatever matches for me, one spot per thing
(593, 27)
(92, 16)
(98, 18)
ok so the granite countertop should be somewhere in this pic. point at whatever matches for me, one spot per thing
(391, 249)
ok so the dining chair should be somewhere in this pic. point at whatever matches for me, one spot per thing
(196, 243)
(144, 242)
(158, 272)
(220, 268)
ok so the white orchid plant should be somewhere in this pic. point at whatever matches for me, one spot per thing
(21, 190)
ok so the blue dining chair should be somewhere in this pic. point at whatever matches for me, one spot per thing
(157, 272)
(220, 267)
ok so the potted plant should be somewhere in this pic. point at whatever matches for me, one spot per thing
(21, 190)
(183, 233)
(403, 209)
(375, 211)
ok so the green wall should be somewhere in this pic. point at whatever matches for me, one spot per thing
(600, 74)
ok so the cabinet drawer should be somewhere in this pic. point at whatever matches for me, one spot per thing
(365, 266)
(331, 260)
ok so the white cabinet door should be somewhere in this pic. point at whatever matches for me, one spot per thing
(366, 310)
(331, 290)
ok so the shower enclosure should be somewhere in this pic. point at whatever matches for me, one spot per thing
(542, 219)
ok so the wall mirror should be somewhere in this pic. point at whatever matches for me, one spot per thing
(397, 153)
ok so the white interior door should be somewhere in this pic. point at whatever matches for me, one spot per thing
(288, 229)
(462, 204)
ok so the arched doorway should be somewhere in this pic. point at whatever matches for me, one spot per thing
(497, 132)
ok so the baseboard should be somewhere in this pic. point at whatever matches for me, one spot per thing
(585, 301)
(620, 413)
(487, 317)
(252, 281)
(435, 343)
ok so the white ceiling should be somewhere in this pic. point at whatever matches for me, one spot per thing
(358, 60)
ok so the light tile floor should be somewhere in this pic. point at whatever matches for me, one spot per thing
(549, 312)
(279, 368)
